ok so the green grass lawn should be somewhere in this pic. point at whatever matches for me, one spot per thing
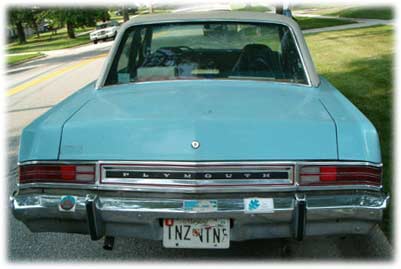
(384, 13)
(359, 63)
(311, 23)
(49, 41)
(15, 59)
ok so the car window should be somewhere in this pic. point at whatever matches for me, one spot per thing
(111, 24)
(215, 50)
(106, 25)
(101, 26)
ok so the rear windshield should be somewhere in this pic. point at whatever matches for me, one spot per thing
(217, 50)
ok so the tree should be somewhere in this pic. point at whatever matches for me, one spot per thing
(49, 16)
(280, 9)
(19, 17)
(34, 18)
(125, 13)
(102, 14)
(77, 17)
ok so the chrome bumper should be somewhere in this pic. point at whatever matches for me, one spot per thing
(295, 215)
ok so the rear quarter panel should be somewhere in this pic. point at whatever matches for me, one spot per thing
(40, 140)
(357, 138)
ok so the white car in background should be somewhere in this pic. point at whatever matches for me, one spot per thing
(104, 31)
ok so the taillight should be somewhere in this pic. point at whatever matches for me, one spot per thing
(340, 175)
(57, 173)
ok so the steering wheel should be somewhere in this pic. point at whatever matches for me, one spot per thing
(165, 56)
(158, 58)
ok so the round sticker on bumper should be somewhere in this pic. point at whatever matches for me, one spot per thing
(67, 203)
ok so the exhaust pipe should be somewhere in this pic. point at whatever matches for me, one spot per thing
(108, 243)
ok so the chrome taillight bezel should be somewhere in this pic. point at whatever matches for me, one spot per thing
(57, 173)
(340, 174)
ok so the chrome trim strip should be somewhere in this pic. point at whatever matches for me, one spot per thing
(341, 187)
(184, 189)
(204, 79)
(48, 185)
(195, 182)
(200, 163)
(198, 168)
(55, 162)
(301, 56)
(317, 163)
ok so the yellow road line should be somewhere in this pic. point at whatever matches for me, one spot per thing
(51, 75)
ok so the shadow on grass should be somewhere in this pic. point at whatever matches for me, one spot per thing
(43, 45)
(377, 12)
(370, 87)
(373, 32)
(48, 38)
(312, 23)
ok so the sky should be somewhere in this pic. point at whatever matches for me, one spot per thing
(188, 3)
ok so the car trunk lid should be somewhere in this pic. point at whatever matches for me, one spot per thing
(231, 120)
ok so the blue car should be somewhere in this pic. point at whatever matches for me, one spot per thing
(202, 129)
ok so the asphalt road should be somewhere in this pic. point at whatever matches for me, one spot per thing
(37, 86)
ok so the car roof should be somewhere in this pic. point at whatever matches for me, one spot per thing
(242, 16)
(210, 16)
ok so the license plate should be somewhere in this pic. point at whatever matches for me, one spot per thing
(196, 233)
